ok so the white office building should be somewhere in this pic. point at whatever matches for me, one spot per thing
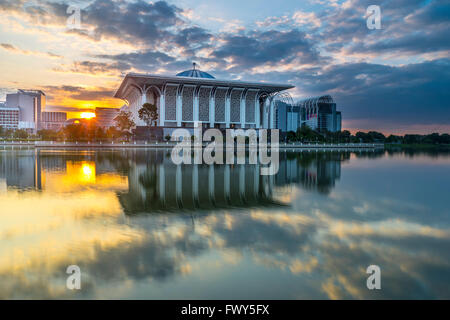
(31, 103)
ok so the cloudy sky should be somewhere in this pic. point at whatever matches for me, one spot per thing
(395, 79)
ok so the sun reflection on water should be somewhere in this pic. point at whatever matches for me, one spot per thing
(104, 213)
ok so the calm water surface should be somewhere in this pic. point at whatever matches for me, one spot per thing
(140, 227)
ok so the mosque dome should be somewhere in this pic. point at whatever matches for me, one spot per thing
(195, 73)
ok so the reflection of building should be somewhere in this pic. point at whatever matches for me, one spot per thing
(169, 187)
(313, 171)
(194, 95)
(321, 175)
(148, 181)
(104, 117)
(19, 170)
(155, 183)
(30, 103)
(53, 120)
(26, 169)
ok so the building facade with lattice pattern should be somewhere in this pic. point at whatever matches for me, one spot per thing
(195, 96)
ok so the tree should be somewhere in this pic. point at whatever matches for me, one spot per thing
(8, 133)
(394, 139)
(412, 138)
(113, 133)
(75, 132)
(306, 134)
(20, 134)
(445, 138)
(344, 136)
(364, 137)
(376, 136)
(433, 138)
(124, 122)
(291, 136)
(48, 135)
(149, 114)
(100, 134)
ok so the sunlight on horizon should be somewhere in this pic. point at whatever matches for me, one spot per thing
(87, 115)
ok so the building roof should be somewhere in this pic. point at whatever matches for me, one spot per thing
(55, 112)
(32, 92)
(3, 107)
(107, 109)
(139, 80)
(195, 73)
(315, 100)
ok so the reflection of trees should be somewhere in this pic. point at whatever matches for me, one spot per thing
(373, 154)
(148, 180)
(411, 152)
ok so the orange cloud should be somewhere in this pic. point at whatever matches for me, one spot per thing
(76, 100)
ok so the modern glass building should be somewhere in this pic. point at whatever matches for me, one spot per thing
(318, 113)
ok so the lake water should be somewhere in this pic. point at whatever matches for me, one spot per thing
(140, 227)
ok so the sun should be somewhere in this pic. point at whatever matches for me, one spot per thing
(87, 115)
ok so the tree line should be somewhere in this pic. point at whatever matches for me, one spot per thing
(88, 130)
(308, 135)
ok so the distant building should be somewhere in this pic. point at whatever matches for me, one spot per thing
(338, 121)
(30, 103)
(53, 120)
(9, 117)
(287, 117)
(74, 121)
(318, 113)
(105, 116)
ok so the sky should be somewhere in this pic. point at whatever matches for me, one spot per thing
(395, 79)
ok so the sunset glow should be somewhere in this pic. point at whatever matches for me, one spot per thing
(385, 79)
(224, 159)
(87, 115)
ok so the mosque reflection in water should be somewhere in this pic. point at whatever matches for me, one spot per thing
(159, 185)
(141, 227)
(155, 183)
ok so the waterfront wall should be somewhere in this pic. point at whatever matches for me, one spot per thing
(282, 145)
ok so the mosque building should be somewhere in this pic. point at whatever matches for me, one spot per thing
(195, 96)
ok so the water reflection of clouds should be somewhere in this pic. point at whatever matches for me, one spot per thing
(403, 248)
(335, 251)
(319, 246)
(47, 233)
